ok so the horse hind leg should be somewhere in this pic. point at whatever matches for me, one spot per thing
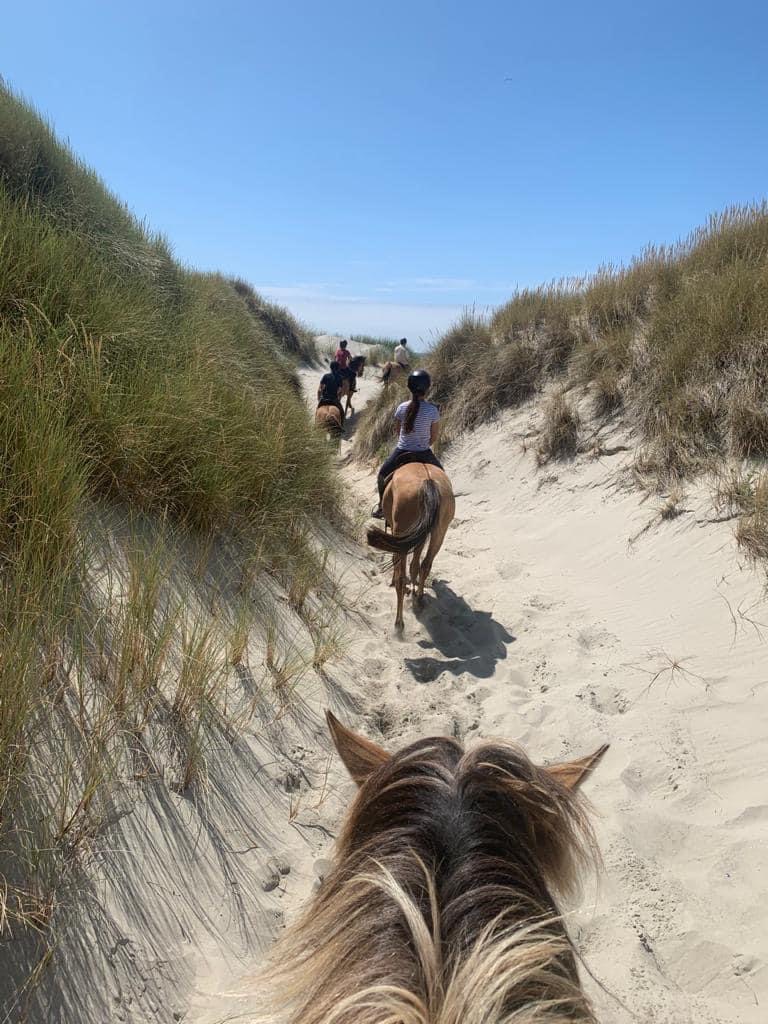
(415, 568)
(400, 583)
(435, 543)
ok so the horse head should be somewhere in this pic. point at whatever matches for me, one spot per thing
(441, 902)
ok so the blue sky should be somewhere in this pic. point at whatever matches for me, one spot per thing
(379, 166)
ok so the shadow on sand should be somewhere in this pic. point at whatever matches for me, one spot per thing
(466, 640)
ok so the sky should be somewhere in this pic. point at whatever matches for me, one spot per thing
(378, 167)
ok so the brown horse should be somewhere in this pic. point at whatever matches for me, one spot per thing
(348, 388)
(418, 503)
(440, 905)
(393, 371)
(328, 418)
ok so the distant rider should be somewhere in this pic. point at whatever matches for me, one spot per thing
(328, 391)
(399, 359)
(401, 354)
(342, 357)
(418, 423)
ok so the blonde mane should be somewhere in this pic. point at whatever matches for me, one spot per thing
(440, 905)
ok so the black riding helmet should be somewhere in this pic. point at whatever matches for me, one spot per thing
(419, 382)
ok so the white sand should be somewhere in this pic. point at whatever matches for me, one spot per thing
(547, 625)
(556, 619)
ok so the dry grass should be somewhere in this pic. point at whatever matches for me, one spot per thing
(137, 394)
(559, 435)
(743, 494)
(677, 342)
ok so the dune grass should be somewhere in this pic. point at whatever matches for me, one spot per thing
(161, 401)
(676, 343)
(559, 436)
(386, 346)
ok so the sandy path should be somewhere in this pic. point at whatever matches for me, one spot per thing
(556, 620)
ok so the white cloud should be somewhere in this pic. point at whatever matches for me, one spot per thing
(419, 322)
(328, 308)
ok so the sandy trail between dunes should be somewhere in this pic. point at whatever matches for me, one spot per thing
(556, 620)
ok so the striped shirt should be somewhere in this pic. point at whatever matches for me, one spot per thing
(419, 438)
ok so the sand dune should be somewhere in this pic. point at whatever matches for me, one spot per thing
(565, 612)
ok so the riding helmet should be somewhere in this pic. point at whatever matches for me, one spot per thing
(419, 381)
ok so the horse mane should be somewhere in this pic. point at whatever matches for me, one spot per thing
(440, 907)
(356, 361)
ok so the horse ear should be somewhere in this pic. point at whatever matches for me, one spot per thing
(361, 757)
(571, 774)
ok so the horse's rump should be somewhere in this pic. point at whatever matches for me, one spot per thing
(417, 492)
(328, 417)
(422, 526)
(390, 369)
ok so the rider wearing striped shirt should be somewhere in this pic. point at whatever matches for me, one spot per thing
(418, 425)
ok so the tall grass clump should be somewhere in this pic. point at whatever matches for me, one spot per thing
(559, 437)
(293, 337)
(376, 434)
(140, 394)
(676, 342)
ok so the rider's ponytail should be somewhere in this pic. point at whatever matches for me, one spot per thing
(411, 413)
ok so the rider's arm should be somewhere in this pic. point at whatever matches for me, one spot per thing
(434, 433)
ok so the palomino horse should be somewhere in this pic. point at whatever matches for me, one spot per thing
(418, 503)
(392, 371)
(440, 907)
(357, 366)
(328, 418)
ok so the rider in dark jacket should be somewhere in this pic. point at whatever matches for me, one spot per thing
(328, 391)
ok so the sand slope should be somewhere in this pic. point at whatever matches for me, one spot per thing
(563, 613)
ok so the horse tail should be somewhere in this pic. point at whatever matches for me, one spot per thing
(385, 374)
(421, 529)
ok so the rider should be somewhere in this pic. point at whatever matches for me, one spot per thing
(418, 423)
(328, 391)
(342, 357)
(401, 354)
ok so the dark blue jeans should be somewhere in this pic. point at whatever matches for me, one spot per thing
(400, 458)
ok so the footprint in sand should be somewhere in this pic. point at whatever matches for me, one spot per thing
(595, 637)
(608, 700)
(374, 668)
(509, 570)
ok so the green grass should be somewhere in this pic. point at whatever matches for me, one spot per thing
(386, 345)
(162, 402)
(382, 350)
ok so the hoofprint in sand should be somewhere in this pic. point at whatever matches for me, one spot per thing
(565, 612)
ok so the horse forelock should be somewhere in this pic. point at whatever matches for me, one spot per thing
(447, 863)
